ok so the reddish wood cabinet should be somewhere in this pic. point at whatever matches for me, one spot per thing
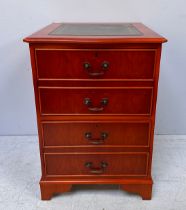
(95, 91)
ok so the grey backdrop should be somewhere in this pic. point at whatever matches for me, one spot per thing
(20, 18)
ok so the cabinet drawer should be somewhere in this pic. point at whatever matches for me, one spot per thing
(125, 101)
(123, 164)
(85, 64)
(95, 133)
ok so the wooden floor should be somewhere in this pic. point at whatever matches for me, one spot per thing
(20, 174)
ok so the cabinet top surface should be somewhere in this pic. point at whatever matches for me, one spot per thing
(95, 33)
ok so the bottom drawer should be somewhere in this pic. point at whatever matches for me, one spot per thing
(120, 164)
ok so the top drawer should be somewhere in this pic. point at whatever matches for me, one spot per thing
(98, 63)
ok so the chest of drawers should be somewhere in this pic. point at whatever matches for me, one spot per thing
(95, 92)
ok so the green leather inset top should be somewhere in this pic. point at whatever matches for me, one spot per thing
(85, 29)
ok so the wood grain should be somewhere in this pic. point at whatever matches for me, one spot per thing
(120, 164)
(118, 133)
(125, 101)
(123, 63)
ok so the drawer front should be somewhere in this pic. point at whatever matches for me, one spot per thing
(123, 164)
(85, 64)
(95, 133)
(125, 101)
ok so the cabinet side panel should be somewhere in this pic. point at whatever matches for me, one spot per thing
(155, 92)
(34, 75)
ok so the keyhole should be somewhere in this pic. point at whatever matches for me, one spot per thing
(96, 54)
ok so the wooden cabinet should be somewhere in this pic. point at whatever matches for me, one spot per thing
(95, 91)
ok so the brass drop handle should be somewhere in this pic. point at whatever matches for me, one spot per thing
(103, 103)
(96, 170)
(87, 67)
(96, 74)
(96, 141)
